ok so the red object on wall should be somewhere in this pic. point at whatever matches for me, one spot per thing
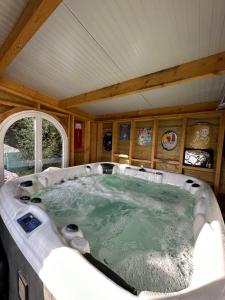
(78, 136)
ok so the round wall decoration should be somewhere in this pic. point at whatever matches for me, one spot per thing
(169, 140)
(107, 141)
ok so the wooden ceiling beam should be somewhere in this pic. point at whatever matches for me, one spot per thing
(24, 92)
(179, 109)
(204, 67)
(34, 15)
(19, 90)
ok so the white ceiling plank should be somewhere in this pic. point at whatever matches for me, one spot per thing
(10, 11)
(204, 90)
(86, 45)
(122, 104)
(62, 58)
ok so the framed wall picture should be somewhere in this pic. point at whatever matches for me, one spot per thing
(198, 158)
(201, 136)
(144, 136)
(107, 140)
(124, 132)
(78, 136)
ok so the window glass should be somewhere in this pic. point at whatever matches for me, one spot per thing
(51, 145)
(19, 148)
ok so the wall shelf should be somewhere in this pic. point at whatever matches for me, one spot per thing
(141, 160)
(198, 169)
(167, 161)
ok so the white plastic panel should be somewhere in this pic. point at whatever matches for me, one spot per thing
(184, 93)
(54, 262)
(10, 11)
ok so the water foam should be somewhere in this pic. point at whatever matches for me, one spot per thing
(142, 230)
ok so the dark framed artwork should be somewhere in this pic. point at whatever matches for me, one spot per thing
(107, 140)
(124, 132)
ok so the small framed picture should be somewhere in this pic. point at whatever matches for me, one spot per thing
(198, 158)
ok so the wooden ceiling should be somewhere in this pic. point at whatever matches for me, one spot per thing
(77, 55)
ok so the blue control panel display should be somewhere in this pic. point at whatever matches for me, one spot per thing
(28, 222)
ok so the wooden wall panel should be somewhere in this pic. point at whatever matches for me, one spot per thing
(93, 142)
(206, 176)
(214, 123)
(167, 167)
(163, 126)
(123, 145)
(222, 178)
(106, 155)
(158, 158)
(142, 152)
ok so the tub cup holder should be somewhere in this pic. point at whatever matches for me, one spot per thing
(38, 202)
(25, 199)
(71, 231)
(88, 170)
(158, 177)
(187, 185)
(28, 187)
(194, 188)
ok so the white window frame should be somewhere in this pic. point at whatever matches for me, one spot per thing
(38, 116)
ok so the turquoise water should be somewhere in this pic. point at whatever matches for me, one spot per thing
(141, 230)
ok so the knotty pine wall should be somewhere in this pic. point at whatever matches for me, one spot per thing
(153, 155)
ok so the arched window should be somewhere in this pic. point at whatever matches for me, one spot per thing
(31, 141)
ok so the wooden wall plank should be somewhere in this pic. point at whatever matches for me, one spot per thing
(71, 138)
(154, 143)
(93, 145)
(132, 140)
(114, 140)
(99, 141)
(87, 145)
(68, 135)
(182, 143)
(219, 153)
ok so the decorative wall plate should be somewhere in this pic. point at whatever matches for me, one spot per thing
(169, 140)
(107, 140)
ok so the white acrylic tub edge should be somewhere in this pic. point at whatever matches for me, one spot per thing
(67, 274)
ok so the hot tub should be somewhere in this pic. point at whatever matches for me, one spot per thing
(67, 268)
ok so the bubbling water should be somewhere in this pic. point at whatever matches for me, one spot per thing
(141, 230)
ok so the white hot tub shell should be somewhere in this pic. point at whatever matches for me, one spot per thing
(68, 275)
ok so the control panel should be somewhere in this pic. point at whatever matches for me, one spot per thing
(29, 222)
